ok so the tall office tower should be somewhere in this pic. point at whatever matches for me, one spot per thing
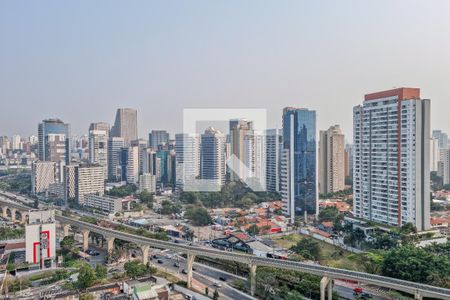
(129, 163)
(299, 168)
(239, 129)
(273, 157)
(54, 141)
(115, 144)
(125, 125)
(43, 174)
(157, 138)
(98, 144)
(89, 179)
(391, 171)
(69, 183)
(16, 142)
(254, 159)
(149, 161)
(164, 170)
(187, 147)
(142, 145)
(442, 138)
(331, 160)
(212, 156)
(434, 154)
(444, 165)
(40, 239)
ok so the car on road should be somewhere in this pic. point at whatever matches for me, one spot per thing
(222, 278)
(183, 271)
(176, 265)
(160, 261)
(217, 284)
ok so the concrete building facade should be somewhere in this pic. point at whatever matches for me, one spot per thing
(391, 171)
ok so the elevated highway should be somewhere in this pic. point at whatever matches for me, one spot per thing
(327, 273)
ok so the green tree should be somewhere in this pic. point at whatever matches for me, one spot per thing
(86, 276)
(383, 241)
(206, 291)
(198, 216)
(416, 264)
(67, 243)
(136, 269)
(101, 271)
(215, 295)
(253, 230)
(307, 248)
(328, 213)
(372, 262)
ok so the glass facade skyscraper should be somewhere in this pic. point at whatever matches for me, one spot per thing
(54, 141)
(299, 162)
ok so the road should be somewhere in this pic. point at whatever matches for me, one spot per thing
(397, 284)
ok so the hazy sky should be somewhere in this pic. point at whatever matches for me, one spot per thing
(80, 60)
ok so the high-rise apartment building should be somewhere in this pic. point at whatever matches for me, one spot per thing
(16, 142)
(125, 125)
(239, 130)
(273, 157)
(115, 145)
(156, 138)
(331, 160)
(254, 160)
(348, 158)
(89, 179)
(442, 137)
(43, 174)
(54, 141)
(391, 171)
(142, 145)
(434, 154)
(5, 145)
(212, 156)
(69, 183)
(98, 144)
(149, 161)
(187, 147)
(444, 165)
(299, 162)
(147, 182)
(129, 162)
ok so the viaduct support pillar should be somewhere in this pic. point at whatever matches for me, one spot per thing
(110, 244)
(418, 295)
(252, 279)
(85, 233)
(24, 217)
(5, 212)
(13, 214)
(145, 249)
(189, 263)
(324, 283)
(66, 228)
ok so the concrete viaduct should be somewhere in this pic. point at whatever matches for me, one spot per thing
(328, 274)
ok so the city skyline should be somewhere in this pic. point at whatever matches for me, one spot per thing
(112, 61)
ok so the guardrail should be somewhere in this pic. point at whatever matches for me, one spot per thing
(335, 273)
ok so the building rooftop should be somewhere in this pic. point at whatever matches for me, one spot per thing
(402, 94)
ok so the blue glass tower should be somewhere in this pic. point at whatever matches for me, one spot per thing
(54, 141)
(299, 164)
